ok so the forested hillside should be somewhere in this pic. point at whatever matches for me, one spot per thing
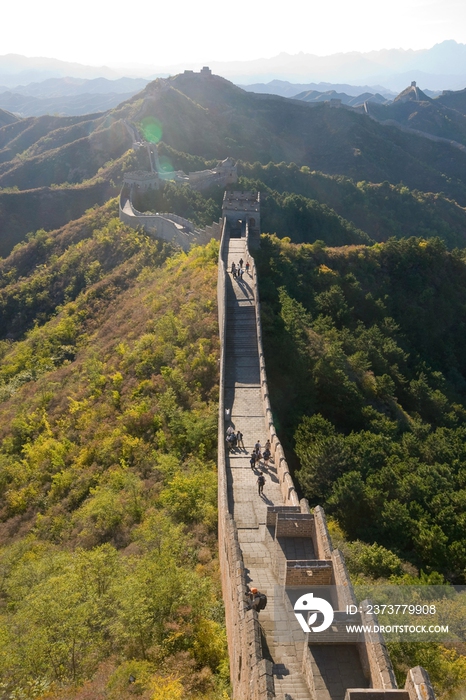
(198, 119)
(372, 211)
(108, 383)
(109, 363)
(372, 410)
(375, 405)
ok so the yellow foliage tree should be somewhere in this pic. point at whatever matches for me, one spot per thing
(168, 688)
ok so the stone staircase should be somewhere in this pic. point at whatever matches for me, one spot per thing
(272, 541)
(243, 398)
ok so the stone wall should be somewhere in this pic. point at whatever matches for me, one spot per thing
(375, 654)
(418, 684)
(375, 660)
(308, 573)
(251, 674)
(323, 544)
(371, 694)
(170, 227)
(342, 581)
(289, 493)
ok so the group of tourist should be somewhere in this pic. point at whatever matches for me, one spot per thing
(256, 600)
(257, 455)
(237, 270)
(234, 439)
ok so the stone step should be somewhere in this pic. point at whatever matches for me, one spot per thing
(237, 344)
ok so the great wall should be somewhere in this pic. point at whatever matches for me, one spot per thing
(275, 543)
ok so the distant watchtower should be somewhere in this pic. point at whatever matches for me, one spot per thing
(241, 209)
(413, 83)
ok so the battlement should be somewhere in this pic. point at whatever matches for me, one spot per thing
(286, 550)
(141, 179)
(205, 71)
(241, 209)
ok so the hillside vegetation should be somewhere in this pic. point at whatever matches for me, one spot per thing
(108, 413)
(372, 211)
(198, 119)
(372, 410)
(109, 364)
(375, 404)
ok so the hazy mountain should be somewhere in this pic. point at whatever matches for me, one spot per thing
(68, 87)
(437, 68)
(454, 100)
(209, 118)
(20, 70)
(315, 96)
(440, 67)
(435, 82)
(413, 109)
(29, 106)
(287, 89)
(6, 118)
(68, 96)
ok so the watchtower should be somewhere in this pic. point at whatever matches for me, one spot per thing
(242, 212)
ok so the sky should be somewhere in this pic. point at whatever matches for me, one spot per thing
(99, 32)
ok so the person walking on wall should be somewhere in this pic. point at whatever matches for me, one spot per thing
(266, 456)
(239, 439)
(261, 483)
(256, 600)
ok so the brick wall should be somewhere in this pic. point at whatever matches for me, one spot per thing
(418, 684)
(308, 573)
(251, 675)
(382, 674)
(289, 493)
(298, 525)
(164, 226)
(322, 545)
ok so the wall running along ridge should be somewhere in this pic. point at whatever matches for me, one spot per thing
(251, 674)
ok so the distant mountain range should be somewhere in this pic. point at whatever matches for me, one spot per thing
(68, 96)
(69, 87)
(287, 89)
(54, 168)
(440, 67)
(315, 96)
(20, 70)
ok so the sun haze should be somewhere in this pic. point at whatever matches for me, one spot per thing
(158, 34)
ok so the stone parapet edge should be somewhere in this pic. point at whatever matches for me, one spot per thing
(250, 673)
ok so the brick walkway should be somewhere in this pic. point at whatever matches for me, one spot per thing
(334, 668)
(284, 637)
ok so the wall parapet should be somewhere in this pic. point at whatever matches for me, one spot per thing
(171, 227)
(251, 674)
(418, 684)
(289, 493)
(382, 674)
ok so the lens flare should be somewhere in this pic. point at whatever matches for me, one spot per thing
(165, 165)
(152, 129)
